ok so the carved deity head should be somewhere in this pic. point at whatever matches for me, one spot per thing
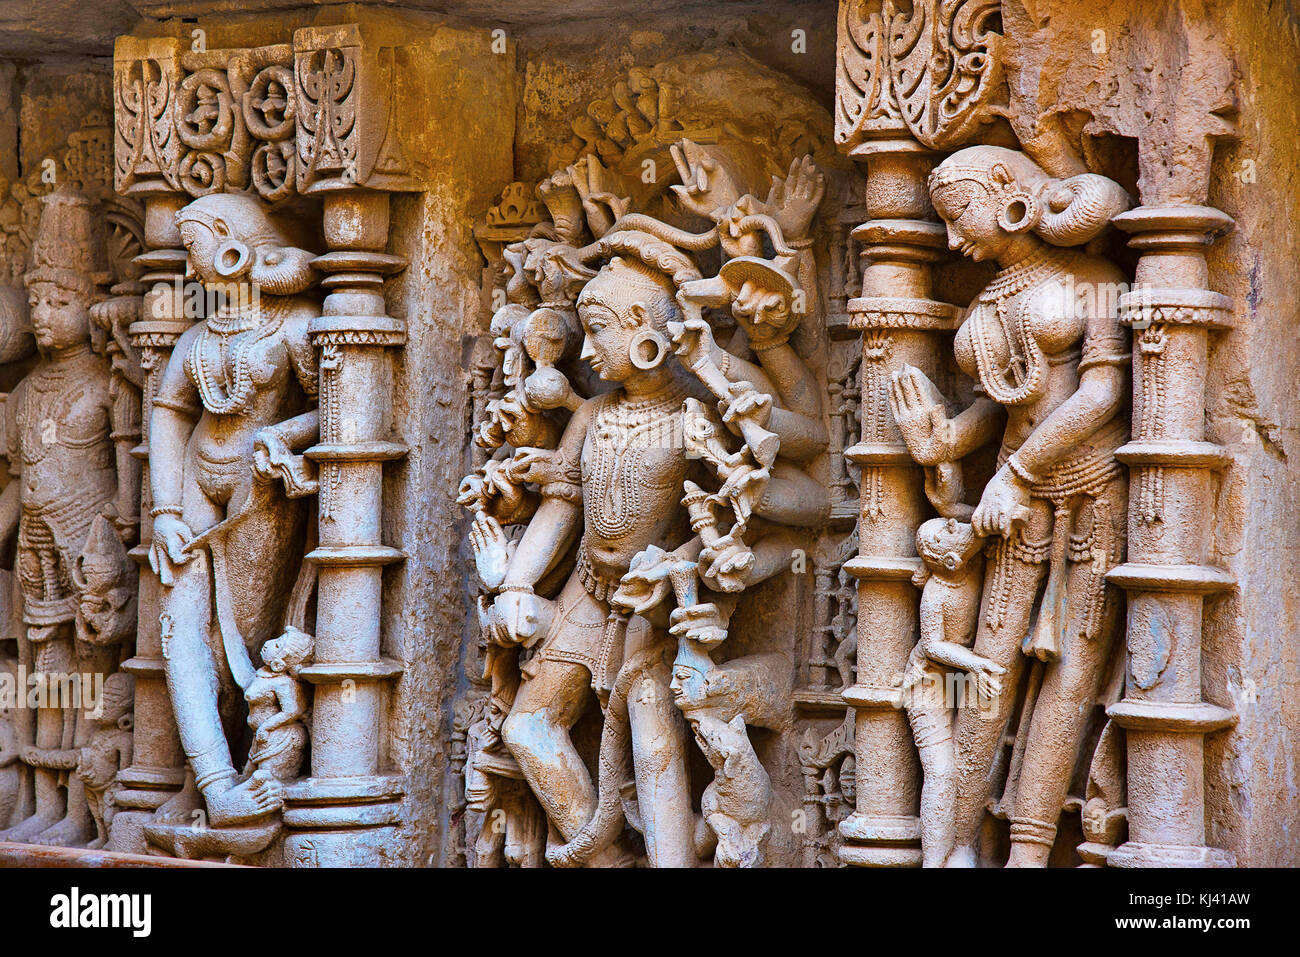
(67, 265)
(231, 238)
(625, 313)
(288, 652)
(989, 195)
(626, 308)
(105, 580)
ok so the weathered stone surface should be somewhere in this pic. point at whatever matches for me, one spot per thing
(548, 434)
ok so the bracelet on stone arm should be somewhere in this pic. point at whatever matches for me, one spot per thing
(166, 510)
(1022, 473)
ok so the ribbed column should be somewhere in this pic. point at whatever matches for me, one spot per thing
(1167, 576)
(158, 765)
(344, 813)
(899, 320)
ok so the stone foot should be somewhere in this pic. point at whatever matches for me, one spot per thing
(257, 797)
(180, 807)
(25, 831)
(72, 831)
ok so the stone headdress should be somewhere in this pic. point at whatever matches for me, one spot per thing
(68, 249)
(1065, 212)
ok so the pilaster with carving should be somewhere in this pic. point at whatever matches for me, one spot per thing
(1174, 315)
(146, 74)
(896, 126)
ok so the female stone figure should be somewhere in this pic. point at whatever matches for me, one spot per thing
(233, 406)
(1055, 509)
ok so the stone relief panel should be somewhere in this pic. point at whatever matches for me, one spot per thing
(655, 443)
(69, 508)
(836, 484)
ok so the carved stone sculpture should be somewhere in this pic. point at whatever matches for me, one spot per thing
(814, 434)
(107, 752)
(232, 411)
(58, 437)
(1054, 363)
(627, 481)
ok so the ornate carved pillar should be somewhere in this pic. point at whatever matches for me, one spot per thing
(146, 73)
(1167, 576)
(1170, 572)
(345, 812)
(899, 320)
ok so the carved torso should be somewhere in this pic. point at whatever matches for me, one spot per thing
(632, 471)
(239, 373)
(61, 446)
(1023, 338)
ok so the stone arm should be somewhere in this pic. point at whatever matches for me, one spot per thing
(302, 354)
(293, 705)
(557, 520)
(978, 424)
(794, 413)
(176, 410)
(10, 507)
(9, 752)
(10, 499)
(934, 613)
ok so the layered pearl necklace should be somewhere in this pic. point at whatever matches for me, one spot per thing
(232, 333)
(1021, 379)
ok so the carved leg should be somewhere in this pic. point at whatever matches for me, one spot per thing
(1059, 721)
(192, 672)
(1009, 596)
(52, 656)
(78, 826)
(537, 733)
(98, 802)
(659, 759)
(932, 728)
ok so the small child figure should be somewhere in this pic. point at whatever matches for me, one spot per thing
(277, 706)
(950, 599)
(107, 752)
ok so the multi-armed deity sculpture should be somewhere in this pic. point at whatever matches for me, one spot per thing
(652, 494)
(693, 384)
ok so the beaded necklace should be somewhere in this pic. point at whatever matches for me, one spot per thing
(236, 329)
(1021, 379)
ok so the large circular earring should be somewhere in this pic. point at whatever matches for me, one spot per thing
(232, 256)
(1020, 211)
(653, 338)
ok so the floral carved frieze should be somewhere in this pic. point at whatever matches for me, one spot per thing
(281, 120)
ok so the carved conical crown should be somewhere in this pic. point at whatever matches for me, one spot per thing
(68, 249)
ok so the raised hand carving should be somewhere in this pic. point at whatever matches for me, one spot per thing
(676, 484)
